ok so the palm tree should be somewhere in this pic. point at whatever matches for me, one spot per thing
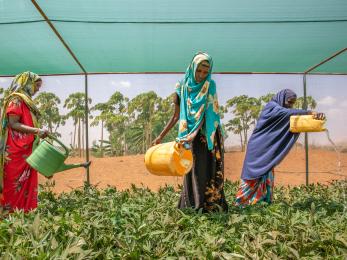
(143, 109)
(102, 117)
(75, 102)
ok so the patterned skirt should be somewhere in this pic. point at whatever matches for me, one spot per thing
(203, 186)
(254, 191)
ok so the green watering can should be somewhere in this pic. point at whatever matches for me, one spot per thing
(47, 159)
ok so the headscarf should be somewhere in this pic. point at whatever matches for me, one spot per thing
(282, 97)
(271, 139)
(198, 103)
(23, 87)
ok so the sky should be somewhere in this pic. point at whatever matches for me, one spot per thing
(330, 92)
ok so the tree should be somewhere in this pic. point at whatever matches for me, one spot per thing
(102, 117)
(2, 97)
(75, 102)
(142, 111)
(107, 149)
(113, 116)
(266, 98)
(234, 125)
(311, 103)
(163, 114)
(50, 117)
(246, 111)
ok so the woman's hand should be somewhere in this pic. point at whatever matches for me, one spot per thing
(318, 116)
(42, 133)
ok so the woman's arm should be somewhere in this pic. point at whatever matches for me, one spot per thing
(316, 115)
(171, 123)
(13, 122)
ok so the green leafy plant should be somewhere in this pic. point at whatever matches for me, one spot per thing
(303, 222)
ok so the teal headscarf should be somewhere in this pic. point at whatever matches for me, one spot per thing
(198, 103)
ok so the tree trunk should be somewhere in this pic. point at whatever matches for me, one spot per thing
(50, 127)
(79, 137)
(124, 144)
(74, 137)
(149, 134)
(102, 138)
(143, 140)
(242, 148)
(82, 139)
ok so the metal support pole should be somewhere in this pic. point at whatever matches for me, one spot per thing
(306, 134)
(86, 114)
(85, 75)
(305, 101)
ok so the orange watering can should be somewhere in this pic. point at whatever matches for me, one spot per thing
(169, 159)
(48, 159)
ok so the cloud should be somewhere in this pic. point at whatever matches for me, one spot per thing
(334, 112)
(327, 101)
(125, 84)
(343, 103)
(4, 80)
(121, 84)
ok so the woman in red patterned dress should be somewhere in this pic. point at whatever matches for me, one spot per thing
(18, 181)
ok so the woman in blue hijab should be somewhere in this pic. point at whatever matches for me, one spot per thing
(196, 109)
(269, 144)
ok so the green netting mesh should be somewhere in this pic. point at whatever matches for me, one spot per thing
(162, 36)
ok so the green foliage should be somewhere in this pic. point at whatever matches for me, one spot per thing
(114, 117)
(75, 103)
(311, 103)
(2, 93)
(144, 110)
(303, 222)
(165, 111)
(50, 117)
(132, 125)
(246, 111)
(103, 148)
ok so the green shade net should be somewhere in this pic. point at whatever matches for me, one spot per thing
(162, 36)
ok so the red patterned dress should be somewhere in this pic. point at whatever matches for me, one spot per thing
(20, 181)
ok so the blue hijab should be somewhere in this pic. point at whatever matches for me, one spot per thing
(271, 139)
(198, 103)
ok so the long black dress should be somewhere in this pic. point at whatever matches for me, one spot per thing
(203, 186)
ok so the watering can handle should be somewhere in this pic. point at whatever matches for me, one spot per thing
(61, 144)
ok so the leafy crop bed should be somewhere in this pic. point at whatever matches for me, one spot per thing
(304, 222)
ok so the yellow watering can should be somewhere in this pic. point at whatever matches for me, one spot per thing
(48, 159)
(169, 159)
(306, 123)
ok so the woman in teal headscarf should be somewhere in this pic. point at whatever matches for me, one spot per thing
(196, 108)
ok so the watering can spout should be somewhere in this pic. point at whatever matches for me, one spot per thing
(64, 167)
